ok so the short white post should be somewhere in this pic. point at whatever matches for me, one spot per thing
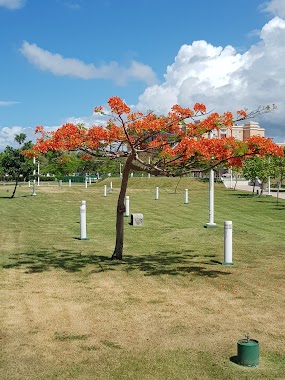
(83, 235)
(34, 188)
(111, 186)
(186, 196)
(211, 200)
(120, 170)
(86, 183)
(148, 174)
(228, 243)
(69, 182)
(156, 193)
(105, 190)
(89, 180)
(29, 184)
(132, 174)
(127, 205)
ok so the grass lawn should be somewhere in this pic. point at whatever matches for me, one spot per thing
(169, 310)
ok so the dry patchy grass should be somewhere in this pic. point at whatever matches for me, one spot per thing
(168, 311)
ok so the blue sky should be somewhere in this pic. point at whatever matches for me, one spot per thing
(60, 58)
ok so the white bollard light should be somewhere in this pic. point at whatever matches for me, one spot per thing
(156, 193)
(34, 188)
(228, 243)
(105, 190)
(186, 196)
(83, 235)
(127, 205)
(69, 182)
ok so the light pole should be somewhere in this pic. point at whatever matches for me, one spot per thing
(120, 170)
(38, 173)
(211, 201)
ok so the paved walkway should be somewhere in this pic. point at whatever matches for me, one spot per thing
(243, 185)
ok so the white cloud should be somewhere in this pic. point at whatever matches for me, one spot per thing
(73, 6)
(12, 4)
(225, 80)
(7, 103)
(275, 7)
(7, 135)
(58, 65)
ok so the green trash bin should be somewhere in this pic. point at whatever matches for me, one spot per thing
(248, 352)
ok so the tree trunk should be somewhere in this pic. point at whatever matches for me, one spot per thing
(177, 184)
(118, 251)
(15, 188)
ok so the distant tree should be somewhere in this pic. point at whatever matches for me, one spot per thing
(259, 168)
(279, 168)
(15, 163)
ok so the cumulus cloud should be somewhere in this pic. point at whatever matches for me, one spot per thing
(12, 4)
(58, 65)
(275, 7)
(7, 135)
(224, 79)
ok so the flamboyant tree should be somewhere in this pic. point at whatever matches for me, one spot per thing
(170, 145)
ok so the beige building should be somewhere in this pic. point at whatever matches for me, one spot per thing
(241, 132)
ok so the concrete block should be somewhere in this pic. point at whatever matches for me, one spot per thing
(136, 219)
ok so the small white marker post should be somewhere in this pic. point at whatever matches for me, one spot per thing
(228, 243)
(211, 201)
(111, 187)
(83, 235)
(127, 205)
(148, 174)
(156, 193)
(29, 184)
(186, 196)
(34, 188)
(86, 183)
(90, 181)
(132, 174)
(105, 190)
(69, 182)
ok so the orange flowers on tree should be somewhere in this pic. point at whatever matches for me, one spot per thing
(176, 143)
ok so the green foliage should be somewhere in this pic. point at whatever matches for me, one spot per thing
(14, 163)
(258, 167)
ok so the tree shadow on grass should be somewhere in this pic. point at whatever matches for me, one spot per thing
(172, 262)
(242, 195)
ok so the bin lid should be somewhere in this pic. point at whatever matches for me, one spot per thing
(250, 342)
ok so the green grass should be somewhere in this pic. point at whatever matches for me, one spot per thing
(169, 310)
